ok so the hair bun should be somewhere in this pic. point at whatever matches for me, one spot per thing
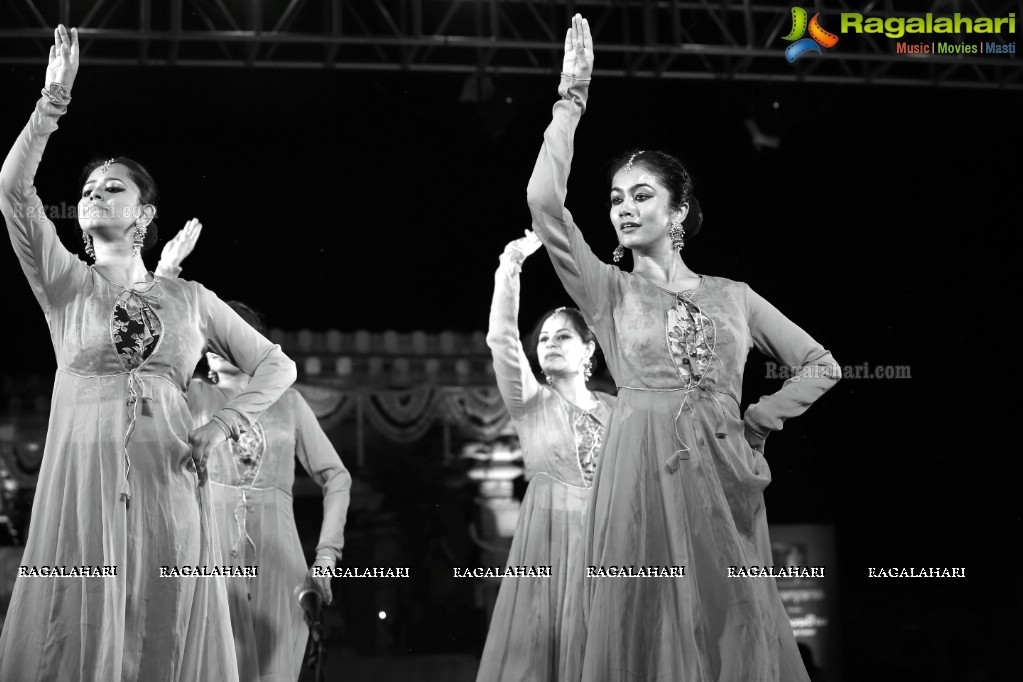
(694, 218)
(152, 234)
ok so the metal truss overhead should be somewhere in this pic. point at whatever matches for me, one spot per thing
(739, 40)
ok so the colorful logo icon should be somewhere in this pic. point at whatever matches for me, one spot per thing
(818, 36)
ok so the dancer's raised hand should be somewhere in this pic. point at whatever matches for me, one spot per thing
(63, 64)
(526, 246)
(578, 49)
(178, 248)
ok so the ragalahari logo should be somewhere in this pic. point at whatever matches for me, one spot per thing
(818, 36)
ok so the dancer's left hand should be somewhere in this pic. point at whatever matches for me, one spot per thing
(524, 246)
(755, 440)
(322, 582)
(178, 248)
(203, 440)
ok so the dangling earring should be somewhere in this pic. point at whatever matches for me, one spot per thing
(677, 233)
(588, 368)
(550, 382)
(214, 377)
(87, 238)
(619, 253)
(138, 239)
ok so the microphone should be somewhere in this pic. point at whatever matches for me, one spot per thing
(311, 603)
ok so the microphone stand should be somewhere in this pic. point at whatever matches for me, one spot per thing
(315, 650)
(316, 632)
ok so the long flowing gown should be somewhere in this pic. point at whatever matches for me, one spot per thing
(560, 445)
(252, 482)
(117, 486)
(677, 484)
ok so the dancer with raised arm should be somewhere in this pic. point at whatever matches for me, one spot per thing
(560, 427)
(682, 473)
(252, 497)
(122, 494)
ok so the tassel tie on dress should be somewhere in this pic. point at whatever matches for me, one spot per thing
(137, 306)
(672, 463)
(241, 516)
(134, 396)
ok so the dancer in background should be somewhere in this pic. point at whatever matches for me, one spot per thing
(560, 427)
(682, 474)
(252, 482)
(123, 477)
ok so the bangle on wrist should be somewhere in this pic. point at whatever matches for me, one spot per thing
(330, 558)
(514, 255)
(219, 421)
(57, 93)
(575, 79)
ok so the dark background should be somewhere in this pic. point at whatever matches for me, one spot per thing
(886, 225)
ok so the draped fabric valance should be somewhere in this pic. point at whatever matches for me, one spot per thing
(399, 415)
(404, 415)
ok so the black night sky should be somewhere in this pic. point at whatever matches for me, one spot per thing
(886, 225)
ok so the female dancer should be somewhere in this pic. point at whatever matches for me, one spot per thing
(122, 484)
(252, 481)
(681, 477)
(560, 427)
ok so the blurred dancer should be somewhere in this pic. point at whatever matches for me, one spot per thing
(252, 482)
(682, 473)
(560, 427)
(123, 478)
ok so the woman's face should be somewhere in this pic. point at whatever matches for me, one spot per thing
(110, 201)
(560, 349)
(641, 208)
(220, 365)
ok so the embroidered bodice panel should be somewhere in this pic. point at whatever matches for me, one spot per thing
(247, 453)
(589, 434)
(135, 329)
(691, 340)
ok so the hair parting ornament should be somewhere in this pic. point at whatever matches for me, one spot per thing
(106, 166)
(628, 164)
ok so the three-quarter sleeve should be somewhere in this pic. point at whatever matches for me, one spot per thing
(317, 456)
(812, 370)
(163, 269)
(44, 259)
(271, 370)
(585, 277)
(515, 378)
